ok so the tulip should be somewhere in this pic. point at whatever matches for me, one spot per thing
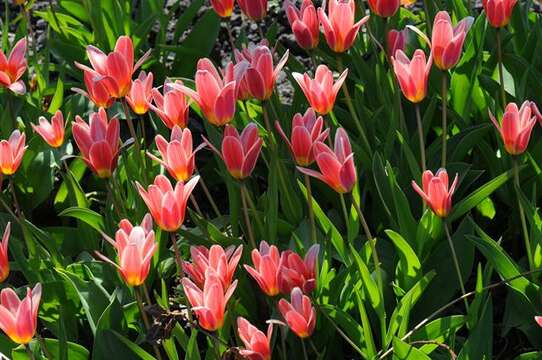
(339, 28)
(538, 320)
(98, 142)
(257, 344)
(97, 91)
(266, 268)
(306, 131)
(435, 191)
(116, 68)
(172, 107)
(336, 166)
(19, 318)
(412, 75)
(397, 40)
(498, 12)
(4, 260)
(256, 10)
(216, 95)
(408, 3)
(13, 67)
(246, 55)
(209, 304)
(167, 204)
(53, 132)
(320, 92)
(260, 76)
(304, 24)
(384, 8)
(297, 272)
(140, 93)
(223, 8)
(239, 152)
(11, 152)
(222, 262)
(447, 41)
(299, 314)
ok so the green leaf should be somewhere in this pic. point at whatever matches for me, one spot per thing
(58, 97)
(480, 341)
(369, 284)
(404, 351)
(409, 267)
(88, 216)
(136, 349)
(75, 351)
(352, 329)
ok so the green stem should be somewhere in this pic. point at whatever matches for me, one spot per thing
(44, 347)
(283, 335)
(178, 259)
(421, 137)
(456, 263)
(427, 16)
(22, 220)
(146, 320)
(209, 197)
(444, 117)
(140, 157)
(309, 206)
(304, 349)
(29, 352)
(522, 215)
(345, 211)
(247, 218)
(501, 68)
(196, 206)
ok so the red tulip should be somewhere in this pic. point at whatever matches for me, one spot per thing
(499, 12)
(266, 268)
(435, 191)
(239, 152)
(397, 40)
(304, 23)
(412, 75)
(339, 28)
(245, 55)
(167, 204)
(260, 76)
(97, 90)
(222, 262)
(306, 131)
(223, 8)
(11, 152)
(254, 9)
(13, 67)
(517, 126)
(321, 92)
(299, 314)
(447, 41)
(297, 272)
(4, 258)
(337, 166)
(209, 304)
(19, 318)
(257, 344)
(172, 107)
(384, 8)
(53, 132)
(140, 93)
(98, 142)
(538, 320)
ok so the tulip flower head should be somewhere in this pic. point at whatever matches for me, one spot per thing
(19, 318)
(98, 142)
(384, 8)
(447, 41)
(306, 131)
(336, 166)
(222, 262)
(239, 152)
(266, 268)
(435, 191)
(304, 24)
(167, 204)
(538, 320)
(255, 10)
(52, 132)
(260, 76)
(13, 67)
(140, 93)
(397, 40)
(97, 90)
(257, 344)
(223, 8)
(298, 313)
(340, 30)
(320, 92)
(297, 272)
(498, 12)
(245, 55)
(517, 125)
(4, 258)
(172, 107)
(11, 152)
(412, 75)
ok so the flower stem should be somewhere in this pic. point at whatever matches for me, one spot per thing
(133, 134)
(522, 215)
(456, 263)
(427, 16)
(304, 349)
(283, 342)
(195, 204)
(309, 206)
(44, 347)
(178, 259)
(444, 117)
(209, 197)
(145, 319)
(247, 219)
(501, 68)
(345, 210)
(421, 137)
(29, 352)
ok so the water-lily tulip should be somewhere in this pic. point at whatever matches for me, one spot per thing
(222, 261)
(13, 67)
(298, 313)
(140, 93)
(266, 268)
(297, 272)
(52, 132)
(397, 40)
(172, 107)
(261, 76)
(4, 256)
(19, 318)
(447, 40)
(498, 12)
(435, 191)
(384, 8)
(304, 24)
(412, 75)
(97, 91)
(11, 152)
(254, 9)
(223, 8)
(257, 344)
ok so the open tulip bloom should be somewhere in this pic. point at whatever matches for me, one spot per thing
(223, 8)
(140, 93)
(436, 191)
(266, 270)
(298, 313)
(19, 318)
(172, 107)
(412, 74)
(298, 272)
(304, 23)
(447, 41)
(11, 152)
(257, 344)
(4, 256)
(13, 67)
(260, 76)
(51, 132)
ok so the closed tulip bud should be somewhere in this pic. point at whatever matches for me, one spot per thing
(304, 24)
(140, 93)
(336, 166)
(498, 12)
(320, 92)
(306, 131)
(223, 8)
(257, 344)
(340, 30)
(167, 204)
(447, 41)
(254, 9)
(172, 107)
(298, 313)
(98, 142)
(397, 40)
(412, 75)
(19, 318)
(13, 67)
(11, 152)
(97, 91)
(297, 272)
(222, 262)
(384, 8)
(239, 152)
(260, 76)
(266, 268)
(4, 259)
(53, 132)
(517, 126)
(435, 191)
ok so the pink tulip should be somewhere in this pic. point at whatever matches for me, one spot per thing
(306, 131)
(172, 107)
(4, 258)
(447, 41)
(53, 132)
(98, 142)
(222, 262)
(254, 9)
(239, 152)
(337, 166)
(339, 28)
(299, 314)
(397, 40)
(435, 191)
(260, 76)
(517, 126)
(304, 24)
(297, 272)
(321, 92)
(13, 67)
(19, 318)
(140, 93)
(257, 344)
(498, 12)
(412, 75)
(384, 8)
(11, 152)
(266, 268)
(97, 90)
(538, 320)
(166, 203)
(223, 8)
